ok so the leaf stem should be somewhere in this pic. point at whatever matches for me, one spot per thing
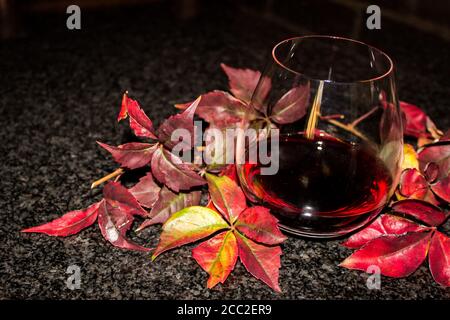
(114, 174)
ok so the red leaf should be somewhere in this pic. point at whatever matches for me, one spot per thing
(413, 183)
(438, 153)
(116, 215)
(146, 191)
(70, 223)
(123, 108)
(261, 261)
(431, 172)
(383, 225)
(292, 105)
(227, 196)
(243, 82)
(217, 256)
(259, 225)
(421, 210)
(168, 203)
(169, 169)
(416, 119)
(230, 172)
(139, 122)
(189, 225)
(442, 189)
(221, 109)
(185, 121)
(121, 199)
(131, 155)
(396, 256)
(439, 258)
(114, 225)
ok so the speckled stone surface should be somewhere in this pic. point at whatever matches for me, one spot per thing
(60, 91)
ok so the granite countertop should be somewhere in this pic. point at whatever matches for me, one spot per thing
(60, 92)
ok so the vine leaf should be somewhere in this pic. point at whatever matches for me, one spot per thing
(243, 82)
(168, 203)
(226, 196)
(439, 258)
(258, 224)
(189, 225)
(116, 215)
(420, 210)
(217, 256)
(131, 155)
(439, 154)
(146, 191)
(292, 105)
(70, 223)
(221, 109)
(396, 256)
(141, 125)
(182, 121)
(261, 261)
(385, 224)
(170, 170)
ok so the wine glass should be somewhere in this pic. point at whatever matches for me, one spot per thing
(341, 140)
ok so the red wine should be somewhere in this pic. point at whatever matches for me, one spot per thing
(324, 187)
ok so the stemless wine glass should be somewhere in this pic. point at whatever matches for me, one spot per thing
(341, 139)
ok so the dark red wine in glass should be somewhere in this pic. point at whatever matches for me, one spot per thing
(341, 142)
(322, 185)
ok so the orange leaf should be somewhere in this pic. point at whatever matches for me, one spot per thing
(188, 225)
(217, 256)
(227, 196)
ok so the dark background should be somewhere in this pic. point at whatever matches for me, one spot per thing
(60, 91)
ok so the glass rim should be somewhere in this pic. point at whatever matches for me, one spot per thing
(383, 75)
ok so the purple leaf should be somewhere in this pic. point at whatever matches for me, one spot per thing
(131, 155)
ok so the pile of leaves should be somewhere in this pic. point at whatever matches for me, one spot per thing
(229, 226)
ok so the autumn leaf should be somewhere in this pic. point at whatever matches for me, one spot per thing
(116, 215)
(439, 258)
(414, 185)
(438, 153)
(410, 160)
(243, 82)
(292, 105)
(114, 224)
(442, 189)
(258, 224)
(169, 169)
(417, 122)
(420, 210)
(230, 172)
(261, 261)
(182, 121)
(141, 125)
(396, 256)
(168, 203)
(189, 225)
(70, 223)
(121, 199)
(146, 191)
(217, 256)
(131, 155)
(227, 196)
(385, 224)
(221, 109)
